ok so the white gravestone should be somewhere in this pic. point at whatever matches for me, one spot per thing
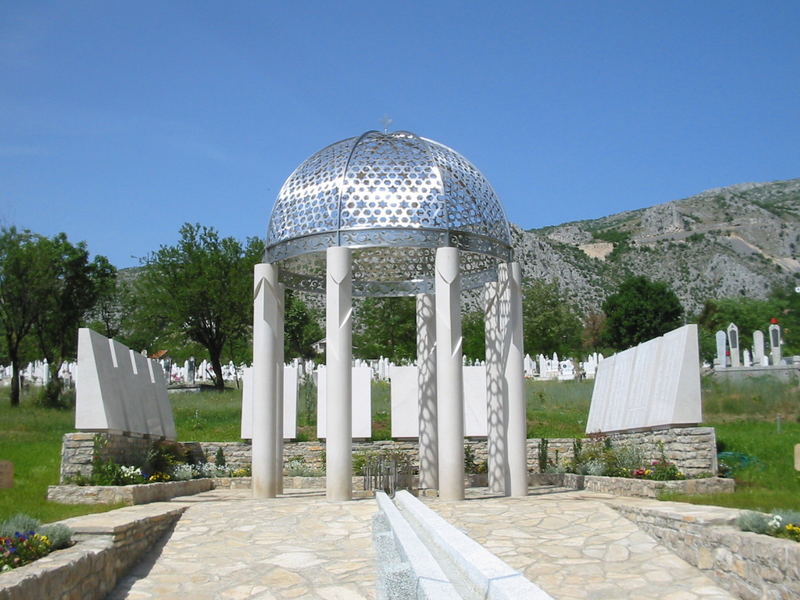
(733, 344)
(758, 347)
(405, 421)
(654, 384)
(746, 358)
(775, 343)
(722, 345)
(475, 423)
(362, 402)
(290, 386)
(119, 390)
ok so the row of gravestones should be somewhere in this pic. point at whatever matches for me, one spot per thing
(730, 353)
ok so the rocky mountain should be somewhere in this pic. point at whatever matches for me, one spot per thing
(738, 240)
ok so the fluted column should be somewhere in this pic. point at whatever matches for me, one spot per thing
(281, 309)
(509, 276)
(339, 373)
(497, 459)
(450, 375)
(265, 326)
(426, 392)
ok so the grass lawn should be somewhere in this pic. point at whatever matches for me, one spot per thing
(30, 437)
(744, 415)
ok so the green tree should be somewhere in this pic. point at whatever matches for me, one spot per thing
(74, 293)
(785, 302)
(26, 273)
(47, 288)
(640, 310)
(749, 314)
(199, 290)
(550, 323)
(386, 327)
(301, 328)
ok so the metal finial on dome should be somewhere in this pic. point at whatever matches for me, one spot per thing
(393, 198)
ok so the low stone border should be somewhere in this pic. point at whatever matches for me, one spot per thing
(107, 546)
(127, 494)
(467, 564)
(750, 565)
(643, 488)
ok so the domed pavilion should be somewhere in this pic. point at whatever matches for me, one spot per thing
(393, 214)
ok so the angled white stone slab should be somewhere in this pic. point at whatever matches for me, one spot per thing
(405, 406)
(362, 402)
(145, 394)
(119, 389)
(290, 386)
(654, 384)
(475, 412)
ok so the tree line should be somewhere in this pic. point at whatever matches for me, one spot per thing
(194, 298)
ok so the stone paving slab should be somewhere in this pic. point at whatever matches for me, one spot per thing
(576, 547)
(229, 546)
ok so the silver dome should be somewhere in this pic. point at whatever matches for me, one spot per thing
(393, 198)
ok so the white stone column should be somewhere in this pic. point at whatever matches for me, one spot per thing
(449, 375)
(281, 309)
(514, 380)
(497, 459)
(339, 373)
(265, 325)
(426, 392)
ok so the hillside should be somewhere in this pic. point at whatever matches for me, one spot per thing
(737, 240)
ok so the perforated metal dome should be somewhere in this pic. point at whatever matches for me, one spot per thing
(393, 198)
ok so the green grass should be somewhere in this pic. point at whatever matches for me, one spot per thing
(771, 484)
(558, 409)
(208, 416)
(742, 413)
(30, 437)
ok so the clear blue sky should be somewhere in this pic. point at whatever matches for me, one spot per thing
(121, 121)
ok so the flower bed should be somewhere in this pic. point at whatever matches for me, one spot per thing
(24, 539)
(108, 545)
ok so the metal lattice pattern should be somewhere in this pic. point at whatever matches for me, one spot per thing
(394, 197)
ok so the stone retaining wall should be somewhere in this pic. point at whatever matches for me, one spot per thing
(750, 565)
(692, 449)
(108, 545)
(647, 488)
(127, 494)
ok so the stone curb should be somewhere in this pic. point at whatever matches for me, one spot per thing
(485, 574)
(127, 494)
(107, 546)
(429, 582)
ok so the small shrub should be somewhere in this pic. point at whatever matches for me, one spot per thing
(219, 457)
(543, 462)
(18, 522)
(182, 472)
(470, 464)
(163, 455)
(297, 467)
(60, 536)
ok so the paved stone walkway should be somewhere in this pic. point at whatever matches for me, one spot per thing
(576, 547)
(229, 546)
(572, 544)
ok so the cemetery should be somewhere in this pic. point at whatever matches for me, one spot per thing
(413, 218)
